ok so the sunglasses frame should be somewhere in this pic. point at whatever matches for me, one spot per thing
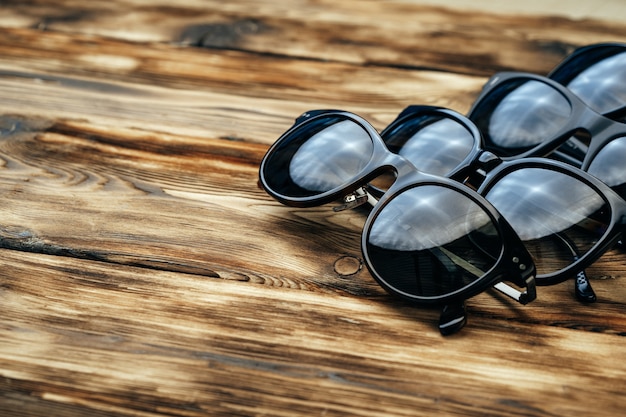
(491, 169)
(462, 169)
(583, 58)
(615, 229)
(601, 128)
(514, 263)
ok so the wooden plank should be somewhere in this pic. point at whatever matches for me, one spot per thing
(81, 335)
(145, 273)
(196, 88)
(408, 35)
(168, 202)
(137, 197)
(610, 10)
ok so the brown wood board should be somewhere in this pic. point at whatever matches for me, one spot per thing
(144, 273)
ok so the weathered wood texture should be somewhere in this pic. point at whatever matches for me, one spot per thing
(144, 273)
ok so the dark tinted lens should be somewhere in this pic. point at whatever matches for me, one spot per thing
(430, 241)
(434, 144)
(320, 156)
(558, 217)
(519, 115)
(602, 85)
(608, 165)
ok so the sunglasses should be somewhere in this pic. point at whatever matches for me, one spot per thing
(521, 115)
(597, 75)
(428, 239)
(566, 218)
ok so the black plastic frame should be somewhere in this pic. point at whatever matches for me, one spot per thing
(492, 168)
(601, 128)
(583, 58)
(410, 113)
(615, 230)
(513, 253)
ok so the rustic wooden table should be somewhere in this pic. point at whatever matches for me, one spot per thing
(144, 273)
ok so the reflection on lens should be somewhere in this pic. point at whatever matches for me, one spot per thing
(433, 144)
(331, 157)
(608, 165)
(318, 157)
(603, 85)
(558, 217)
(526, 116)
(431, 240)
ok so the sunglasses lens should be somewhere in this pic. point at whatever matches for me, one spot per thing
(519, 115)
(317, 157)
(429, 241)
(434, 144)
(608, 165)
(602, 85)
(558, 217)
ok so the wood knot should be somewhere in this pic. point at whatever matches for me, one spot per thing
(348, 265)
(221, 35)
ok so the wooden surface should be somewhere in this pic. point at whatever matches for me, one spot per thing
(144, 273)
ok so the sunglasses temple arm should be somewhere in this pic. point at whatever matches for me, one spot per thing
(583, 290)
(355, 199)
(371, 200)
(453, 318)
(519, 296)
(582, 286)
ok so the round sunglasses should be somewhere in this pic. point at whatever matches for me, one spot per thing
(521, 115)
(597, 75)
(429, 239)
(565, 217)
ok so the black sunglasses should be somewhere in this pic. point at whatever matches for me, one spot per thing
(429, 239)
(565, 217)
(597, 75)
(521, 115)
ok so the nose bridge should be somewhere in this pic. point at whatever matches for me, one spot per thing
(594, 122)
(478, 170)
(401, 165)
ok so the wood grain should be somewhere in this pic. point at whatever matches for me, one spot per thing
(362, 32)
(144, 273)
(210, 346)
